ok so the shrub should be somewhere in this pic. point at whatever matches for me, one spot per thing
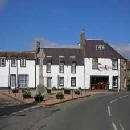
(67, 91)
(39, 98)
(27, 93)
(53, 88)
(77, 92)
(15, 90)
(59, 95)
(25, 89)
(49, 91)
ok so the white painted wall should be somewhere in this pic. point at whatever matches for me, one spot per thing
(80, 82)
(67, 76)
(102, 72)
(28, 70)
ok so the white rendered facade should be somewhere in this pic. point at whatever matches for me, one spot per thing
(105, 69)
(7, 70)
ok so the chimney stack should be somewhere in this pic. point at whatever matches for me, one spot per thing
(37, 46)
(82, 42)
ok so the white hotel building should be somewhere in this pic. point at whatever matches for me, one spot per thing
(95, 65)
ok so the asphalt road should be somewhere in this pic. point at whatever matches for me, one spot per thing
(102, 112)
(99, 112)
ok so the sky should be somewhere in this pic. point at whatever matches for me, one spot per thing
(61, 21)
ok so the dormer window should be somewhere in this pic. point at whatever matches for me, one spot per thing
(2, 62)
(100, 47)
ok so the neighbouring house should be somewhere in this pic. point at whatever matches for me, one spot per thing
(128, 74)
(92, 65)
(17, 69)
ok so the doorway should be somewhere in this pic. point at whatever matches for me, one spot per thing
(49, 82)
(99, 82)
(13, 80)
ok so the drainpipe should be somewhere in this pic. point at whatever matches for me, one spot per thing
(9, 76)
(35, 73)
(84, 76)
(17, 74)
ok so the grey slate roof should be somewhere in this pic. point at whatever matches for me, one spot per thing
(108, 52)
(67, 53)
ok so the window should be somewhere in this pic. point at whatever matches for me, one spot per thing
(61, 81)
(23, 81)
(73, 67)
(2, 62)
(13, 63)
(73, 81)
(48, 67)
(22, 62)
(100, 47)
(61, 67)
(115, 81)
(114, 64)
(95, 63)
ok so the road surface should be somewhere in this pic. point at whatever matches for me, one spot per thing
(109, 111)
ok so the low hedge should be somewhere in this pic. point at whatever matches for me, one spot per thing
(27, 93)
(49, 91)
(67, 91)
(15, 90)
(39, 98)
(25, 89)
(59, 95)
(77, 92)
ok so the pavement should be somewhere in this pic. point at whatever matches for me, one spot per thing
(9, 105)
(108, 111)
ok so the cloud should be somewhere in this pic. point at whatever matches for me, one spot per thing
(49, 44)
(123, 49)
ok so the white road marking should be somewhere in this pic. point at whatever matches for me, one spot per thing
(122, 128)
(123, 96)
(114, 100)
(109, 111)
(114, 126)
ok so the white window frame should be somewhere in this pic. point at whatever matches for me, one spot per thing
(61, 67)
(48, 67)
(115, 81)
(73, 67)
(15, 62)
(95, 63)
(73, 81)
(100, 47)
(115, 66)
(23, 85)
(22, 62)
(61, 81)
(2, 62)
